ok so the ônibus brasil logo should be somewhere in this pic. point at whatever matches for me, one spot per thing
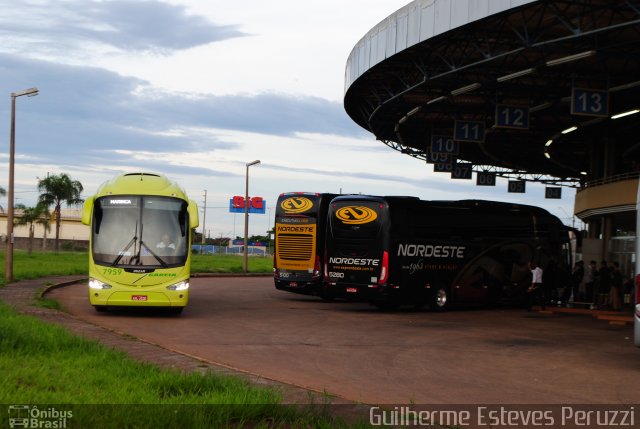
(356, 215)
(296, 205)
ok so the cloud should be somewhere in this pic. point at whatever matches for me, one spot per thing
(83, 111)
(127, 25)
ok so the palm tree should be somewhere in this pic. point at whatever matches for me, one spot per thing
(3, 192)
(56, 189)
(31, 216)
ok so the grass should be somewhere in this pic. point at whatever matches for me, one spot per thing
(44, 264)
(44, 364)
(229, 264)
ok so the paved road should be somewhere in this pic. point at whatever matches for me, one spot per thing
(485, 356)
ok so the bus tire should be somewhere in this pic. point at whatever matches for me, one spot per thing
(440, 298)
(100, 308)
(176, 310)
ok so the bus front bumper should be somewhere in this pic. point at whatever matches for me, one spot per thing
(355, 292)
(305, 287)
(138, 298)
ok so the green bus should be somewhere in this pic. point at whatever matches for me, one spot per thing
(140, 242)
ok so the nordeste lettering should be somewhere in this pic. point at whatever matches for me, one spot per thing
(431, 251)
(354, 261)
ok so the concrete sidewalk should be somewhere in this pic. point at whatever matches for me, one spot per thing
(23, 295)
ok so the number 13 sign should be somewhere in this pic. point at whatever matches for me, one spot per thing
(589, 102)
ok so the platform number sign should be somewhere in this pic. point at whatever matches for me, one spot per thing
(468, 131)
(462, 170)
(444, 144)
(443, 167)
(485, 178)
(553, 192)
(590, 102)
(438, 158)
(517, 186)
(512, 117)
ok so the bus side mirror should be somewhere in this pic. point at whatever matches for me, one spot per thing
(87, 210)
(192, 209)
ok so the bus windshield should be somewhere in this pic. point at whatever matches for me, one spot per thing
(356, 242)
(297, 232)
(147, 231)
(356, 220)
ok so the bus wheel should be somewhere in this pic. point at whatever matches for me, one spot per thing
(176, 310)
(440, 299)
(100, 308)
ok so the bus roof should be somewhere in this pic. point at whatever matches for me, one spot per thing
(141, 183)
(485, 205)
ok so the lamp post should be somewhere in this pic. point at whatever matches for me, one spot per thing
(12, 149)
(204, 216)
(245, 263)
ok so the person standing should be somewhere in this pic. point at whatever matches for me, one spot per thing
(616, 287)
(590, 274)
(603, 284)
(572, 291)
(535, 292)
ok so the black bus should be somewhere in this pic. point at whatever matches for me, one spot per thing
(300, 227)
(403, 250)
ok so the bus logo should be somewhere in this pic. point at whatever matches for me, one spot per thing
(356, 215)
(296, 205)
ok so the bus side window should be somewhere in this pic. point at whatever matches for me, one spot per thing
(97, 210)
(182, 219)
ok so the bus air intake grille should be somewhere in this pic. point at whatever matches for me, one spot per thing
(295, 247)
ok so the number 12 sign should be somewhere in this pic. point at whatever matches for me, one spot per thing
(512, 117)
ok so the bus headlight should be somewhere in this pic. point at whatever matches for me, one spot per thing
(97, 284)
(183, 285)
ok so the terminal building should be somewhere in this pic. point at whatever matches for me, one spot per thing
(527, 91)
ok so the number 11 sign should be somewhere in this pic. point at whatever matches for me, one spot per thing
(468, 131)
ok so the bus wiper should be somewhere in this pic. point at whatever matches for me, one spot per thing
(139, 250)
(162, 262)
(127, 247)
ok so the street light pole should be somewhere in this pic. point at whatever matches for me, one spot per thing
(245, 263)
(204, 216)
(12, 150)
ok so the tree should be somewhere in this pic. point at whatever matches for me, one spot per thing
(56, 189)
(3, 192)
(31, 216)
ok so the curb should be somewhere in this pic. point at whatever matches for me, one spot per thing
(204, 275)
(163, 357)
(46, 290)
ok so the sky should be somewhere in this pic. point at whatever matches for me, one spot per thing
(196, 89)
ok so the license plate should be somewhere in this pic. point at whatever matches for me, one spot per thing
(352, 290)
(293, 284)
(138, 297)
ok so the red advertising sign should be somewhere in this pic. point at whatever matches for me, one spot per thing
(256, 205)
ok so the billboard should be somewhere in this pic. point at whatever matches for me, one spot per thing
(256, 205)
